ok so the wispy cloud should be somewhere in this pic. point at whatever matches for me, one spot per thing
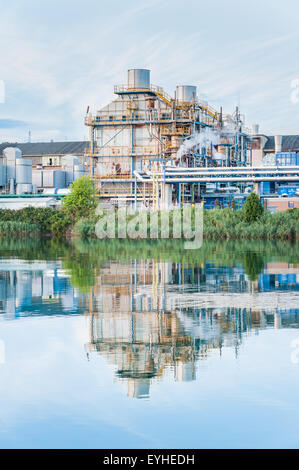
(53, 67)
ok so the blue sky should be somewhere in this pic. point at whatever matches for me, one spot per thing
(57, 57)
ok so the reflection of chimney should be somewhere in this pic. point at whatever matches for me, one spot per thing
(138, 388)
(278, 143)
(185, 372)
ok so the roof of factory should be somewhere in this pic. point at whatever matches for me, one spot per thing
(47, 148)
(289, 143)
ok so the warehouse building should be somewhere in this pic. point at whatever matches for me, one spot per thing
(48, 153)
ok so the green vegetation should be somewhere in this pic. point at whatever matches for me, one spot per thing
(49, 222)
(226, 223)
(17, 229)
(253, 208)
(222, 224)
(81, 202)
(45, 220)
(78, 217)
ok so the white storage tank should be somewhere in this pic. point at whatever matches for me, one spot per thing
(185, 93)
(79, 170)
(69, 161)
(53, 179)
(11, 154)
(24, 189)
(37, 178)
(138, 78)
(3, 178)
(23, 171)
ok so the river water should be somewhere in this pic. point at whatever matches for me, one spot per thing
(130, 344)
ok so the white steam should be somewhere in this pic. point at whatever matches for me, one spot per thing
(203, 139)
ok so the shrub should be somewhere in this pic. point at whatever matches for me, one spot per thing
(253, 208)
(81, 202)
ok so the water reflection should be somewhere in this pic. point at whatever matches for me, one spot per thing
(39, 288)
(150, 317)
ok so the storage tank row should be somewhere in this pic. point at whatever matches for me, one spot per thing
(17, 175)
(17, 172)
(57, 178)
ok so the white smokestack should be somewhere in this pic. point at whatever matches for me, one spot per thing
(255, 129)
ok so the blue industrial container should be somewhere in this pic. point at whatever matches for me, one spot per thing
(267, 187)
(287, 159)
(289, 190)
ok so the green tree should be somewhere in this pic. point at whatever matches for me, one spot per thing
(81, 202)
(253, 208)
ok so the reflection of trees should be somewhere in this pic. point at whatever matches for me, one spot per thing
(253, 265)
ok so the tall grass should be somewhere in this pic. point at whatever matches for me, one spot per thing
(13, 229)
(224, 224)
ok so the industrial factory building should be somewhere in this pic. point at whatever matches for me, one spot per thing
(156, 150)
(152, 150)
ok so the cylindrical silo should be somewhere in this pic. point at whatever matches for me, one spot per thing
(23, 171)
(69, 160)
(11, 155)
(24, 188)
(79, 170)
(185, 93)
(54, 178)
(37, 178)
(138, 78)
(3, 179)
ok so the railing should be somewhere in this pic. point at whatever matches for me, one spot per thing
(125, 151)
(157, 90)
(114, 176)
(208, 109)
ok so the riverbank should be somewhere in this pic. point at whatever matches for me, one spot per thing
(217, 224)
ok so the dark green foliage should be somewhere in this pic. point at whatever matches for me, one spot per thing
(253, 208)
(48, 221)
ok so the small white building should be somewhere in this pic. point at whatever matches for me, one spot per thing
(15, 203)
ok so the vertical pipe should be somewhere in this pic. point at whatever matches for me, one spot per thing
(135, 193)
(180, 195)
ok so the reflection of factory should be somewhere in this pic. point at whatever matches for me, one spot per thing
(36, 289)
(150, 318)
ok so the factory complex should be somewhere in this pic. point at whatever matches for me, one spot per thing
(155, 151)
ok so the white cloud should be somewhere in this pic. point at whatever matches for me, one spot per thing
(56, 69)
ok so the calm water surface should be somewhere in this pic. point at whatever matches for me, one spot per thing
(117, 344)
